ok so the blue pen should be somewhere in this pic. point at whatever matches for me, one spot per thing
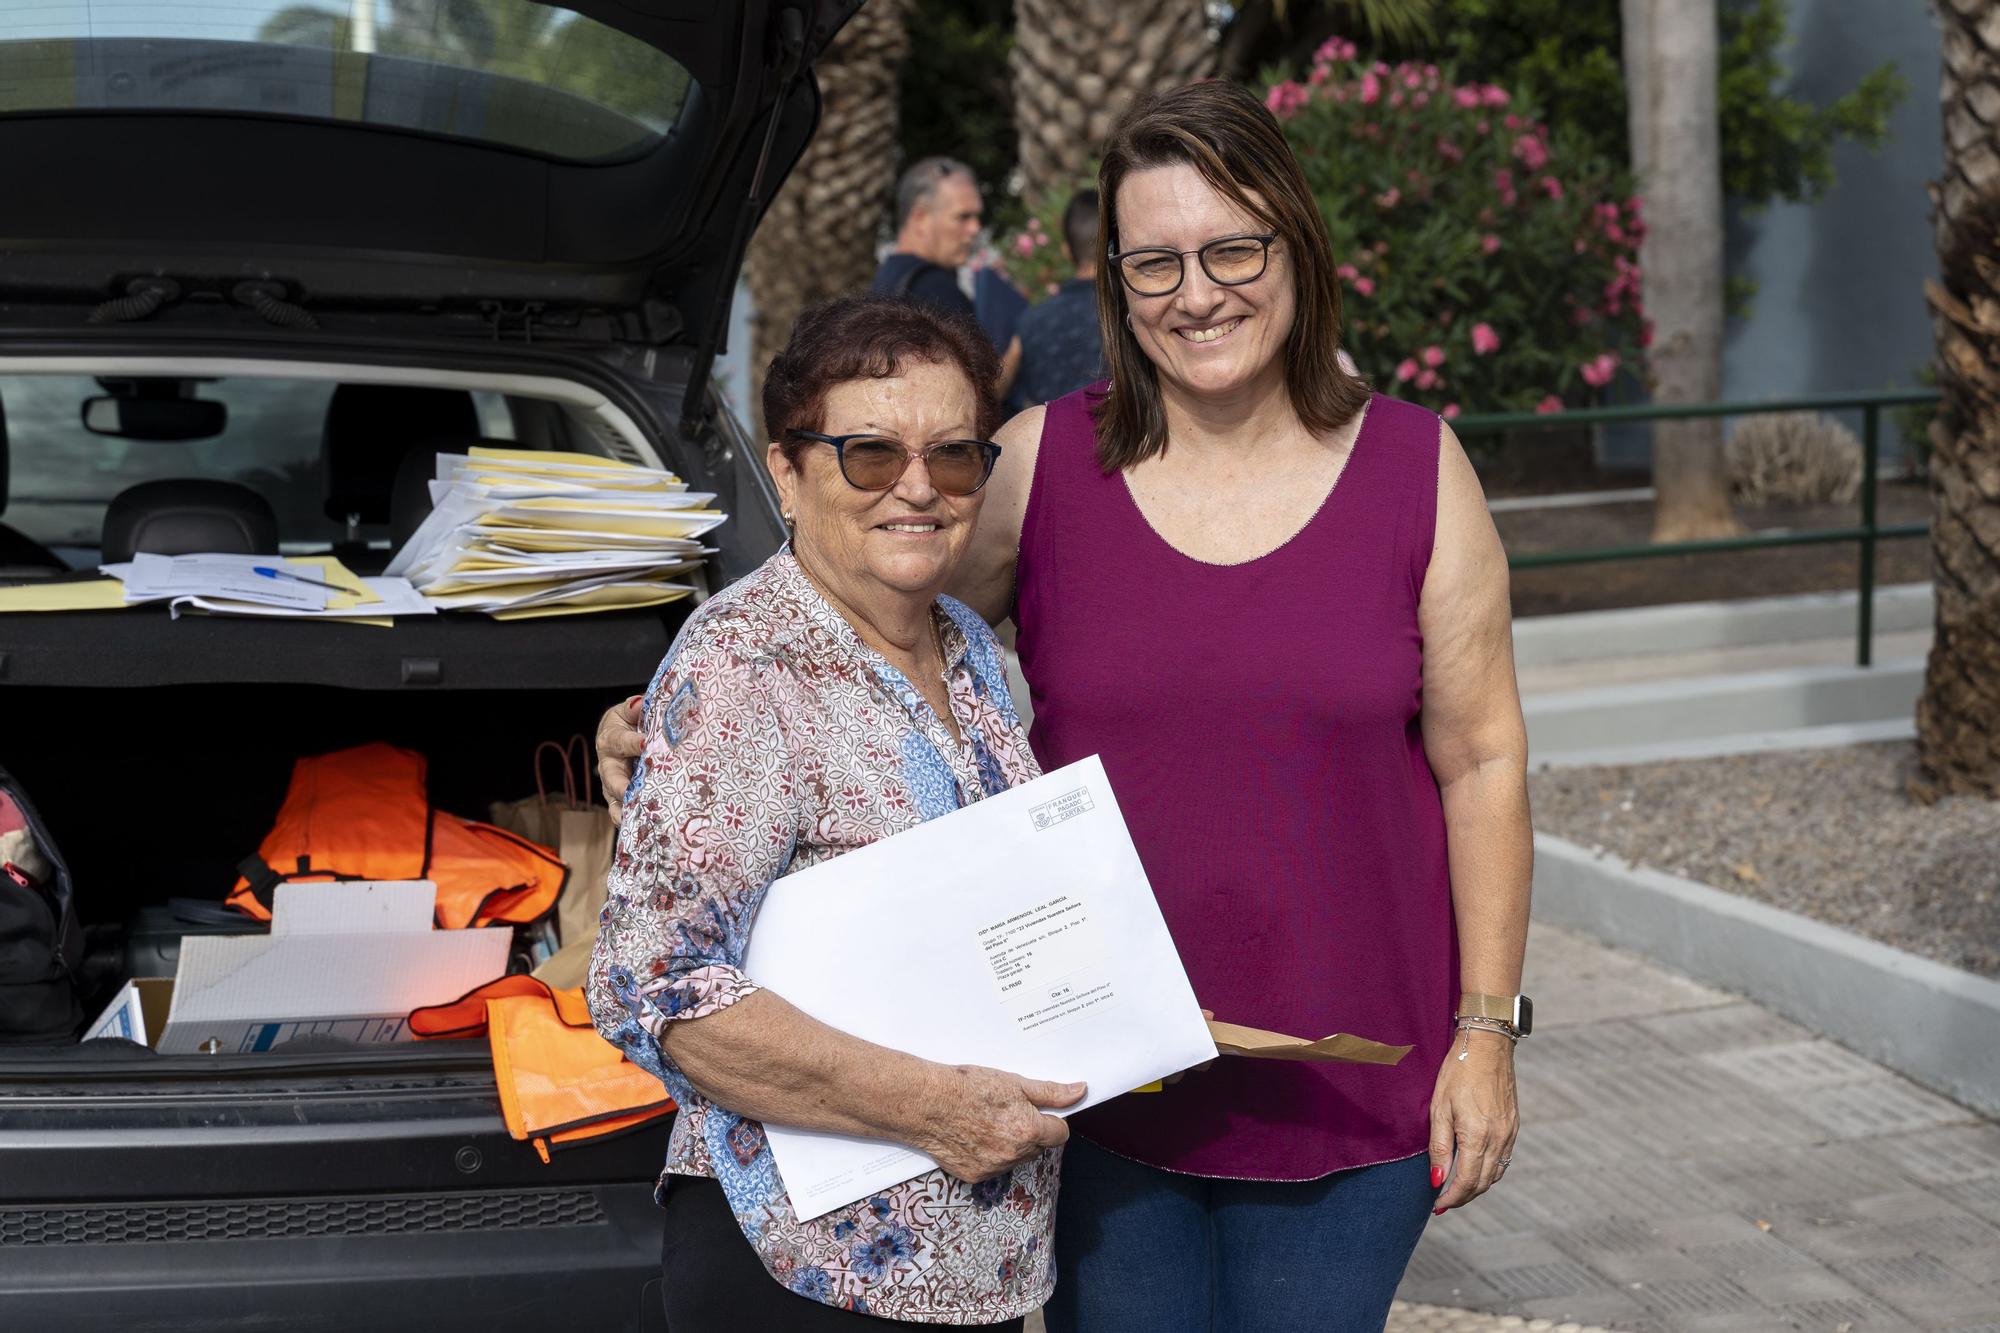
(266, 571)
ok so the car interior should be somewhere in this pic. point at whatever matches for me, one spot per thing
(156, 795)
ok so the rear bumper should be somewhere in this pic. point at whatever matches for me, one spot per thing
(483, 1261)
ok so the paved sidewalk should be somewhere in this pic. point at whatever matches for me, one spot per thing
(1692, 1162)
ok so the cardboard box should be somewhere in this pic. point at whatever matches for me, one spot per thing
(348, 960)
(137, 1013)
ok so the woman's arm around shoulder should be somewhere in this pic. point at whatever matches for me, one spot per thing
(985, 578)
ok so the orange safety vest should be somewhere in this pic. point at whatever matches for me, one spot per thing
(365, 813)
(560, 1082)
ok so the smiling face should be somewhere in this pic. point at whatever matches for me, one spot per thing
(868, 546)
(1204, 338)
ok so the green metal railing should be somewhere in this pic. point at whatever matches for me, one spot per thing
(1868, 533)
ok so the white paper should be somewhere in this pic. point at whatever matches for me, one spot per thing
(1019, 933)
(395, 597)
(150, 577)
(358, 907)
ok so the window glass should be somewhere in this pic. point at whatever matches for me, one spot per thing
(510, 72)
(62, 477)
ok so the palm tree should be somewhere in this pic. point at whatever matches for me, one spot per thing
(1958, 717)
(1671, 62)
(818, 238)
(1078, 64)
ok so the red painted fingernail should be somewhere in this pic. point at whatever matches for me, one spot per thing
(1437, 1176)
(1437, 1212)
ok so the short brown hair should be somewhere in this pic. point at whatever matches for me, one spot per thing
(1225, 133)
(871, 337)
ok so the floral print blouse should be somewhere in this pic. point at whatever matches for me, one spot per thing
(776, 739)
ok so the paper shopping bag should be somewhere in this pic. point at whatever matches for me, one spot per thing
(575, 825)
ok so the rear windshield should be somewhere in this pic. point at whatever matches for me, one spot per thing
(61, 476)
(509, 72)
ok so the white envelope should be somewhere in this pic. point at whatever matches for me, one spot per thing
(1019, 933)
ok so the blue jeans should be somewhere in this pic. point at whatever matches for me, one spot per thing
(1138, 1248)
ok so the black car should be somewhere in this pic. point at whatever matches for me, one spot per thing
(274, 251)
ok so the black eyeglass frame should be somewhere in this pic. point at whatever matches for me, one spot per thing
(988, 450)
(1200, 252)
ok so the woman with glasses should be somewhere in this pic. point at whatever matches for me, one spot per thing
(831, 698)
(1274, 602)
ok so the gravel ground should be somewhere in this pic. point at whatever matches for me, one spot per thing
(1831, 834)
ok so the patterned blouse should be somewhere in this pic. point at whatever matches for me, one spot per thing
(775, 739)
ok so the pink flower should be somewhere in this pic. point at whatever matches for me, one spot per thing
(1348, 272)
(1484, 339)
(1285, 99)
(1371, 89)
(1389, 198)
(1598, 373)
(1427, 379)
(1320, 74)
(1503, 181)
(1534, 156)
(1512, 122)
(1433, 356)
(1489, 243)
(1024, 243)
(1493, 96)
(1466, 97)
(1406, 371)
(1335, 48)
(1450, 151)
(1420, 99)
(1412, 78)
(1484, 126)
(1646, 333)
(1054, 287)
(1549, 404)
(1396, 97)
(1450, 411)
(1553, 186)
(1365, 286)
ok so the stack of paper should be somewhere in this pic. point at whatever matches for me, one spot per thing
(519, 533)
(311, 587)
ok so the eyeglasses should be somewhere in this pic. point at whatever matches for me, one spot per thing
(872, 463)
(1229, 261)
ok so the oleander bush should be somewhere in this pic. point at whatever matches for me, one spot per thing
(1488, 265)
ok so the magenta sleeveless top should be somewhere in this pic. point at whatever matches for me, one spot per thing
(1259, 723)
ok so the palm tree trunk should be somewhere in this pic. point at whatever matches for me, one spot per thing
(818, 238)
(1958, 717)
(1670, 73)
(1078, 64)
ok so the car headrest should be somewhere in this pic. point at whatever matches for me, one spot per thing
(410, 495)
(186, 516)
(369, 427)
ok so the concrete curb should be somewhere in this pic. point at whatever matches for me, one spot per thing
(1935, 1024)
(1657, 712)
(1753, 742)
(1585, 636)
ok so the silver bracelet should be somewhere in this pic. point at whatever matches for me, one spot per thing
(1467, 1022)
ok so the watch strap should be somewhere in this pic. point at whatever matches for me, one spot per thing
(1504, 1008)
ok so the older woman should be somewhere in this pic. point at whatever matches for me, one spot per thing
(829, 699)
(1275, 604)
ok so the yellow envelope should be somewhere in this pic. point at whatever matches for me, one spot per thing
(545, 456)
(588, 602)
(67, 595)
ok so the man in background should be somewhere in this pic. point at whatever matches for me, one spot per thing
(1060, 347)
(938, 216)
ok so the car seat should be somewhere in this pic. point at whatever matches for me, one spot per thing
(369, 428)
(188, 515)
(20, 554)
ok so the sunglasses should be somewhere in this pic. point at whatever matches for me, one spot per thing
(872, 463)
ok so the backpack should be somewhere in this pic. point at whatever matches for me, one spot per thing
(41, 940)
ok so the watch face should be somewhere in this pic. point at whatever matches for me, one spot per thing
(1524, 1015)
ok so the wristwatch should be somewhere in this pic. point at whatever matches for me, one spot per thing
(1516, 1011)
